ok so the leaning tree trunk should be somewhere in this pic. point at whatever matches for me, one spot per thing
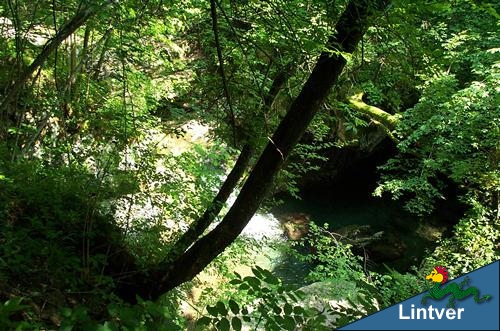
(200, 225)
(348, 32)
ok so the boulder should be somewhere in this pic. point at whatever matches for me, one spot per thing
(330, 298)
(295, 225)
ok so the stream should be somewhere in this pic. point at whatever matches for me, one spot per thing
(406, 238)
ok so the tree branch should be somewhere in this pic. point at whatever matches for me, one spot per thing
(388, 120)
(201, 224)
(213, 13)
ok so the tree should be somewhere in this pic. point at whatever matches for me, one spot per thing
(86, 108)
(348, 32)
(450, 135)
(449, 139)
(80, 18)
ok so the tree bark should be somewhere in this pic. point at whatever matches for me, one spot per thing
(384, 120)
(200, 225)
(349, 30)
(133, 281)
(231, 116)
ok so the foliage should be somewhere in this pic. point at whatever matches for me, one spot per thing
(8, 310)
(146, 315)
(55, 238)
(331, 258)
(266, 304)
(261, 301)
(475, 243)
(305, 158)
(174, 191)
(455, 137)
(88, 157)
(452, 132)
(260, 41)
(336, 266)
(45, 217)
(449, 138)
(395, 287)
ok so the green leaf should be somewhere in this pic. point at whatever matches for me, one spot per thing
(235, 309)
(235, 281)
(13, 305)
(223, 325)
(236, 323)
(270, 278)
(213, 311)
(205, 320)
(253, 282)
(221, 308)
(289, 323)
(243, 286)
(298, 310)
(276, 309)
(107, 326)
(257, 273)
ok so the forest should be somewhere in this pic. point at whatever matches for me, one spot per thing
(242, 164)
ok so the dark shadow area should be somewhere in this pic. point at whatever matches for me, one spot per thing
(348, 204)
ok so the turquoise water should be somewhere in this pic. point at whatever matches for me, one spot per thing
(339, 211)
(402, 231)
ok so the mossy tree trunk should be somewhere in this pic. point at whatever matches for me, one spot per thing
(388, 120)
(383, 119)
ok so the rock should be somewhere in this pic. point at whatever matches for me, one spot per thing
(296, 225)
(330, 298)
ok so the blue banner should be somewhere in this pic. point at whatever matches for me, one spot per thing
(470, 302)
